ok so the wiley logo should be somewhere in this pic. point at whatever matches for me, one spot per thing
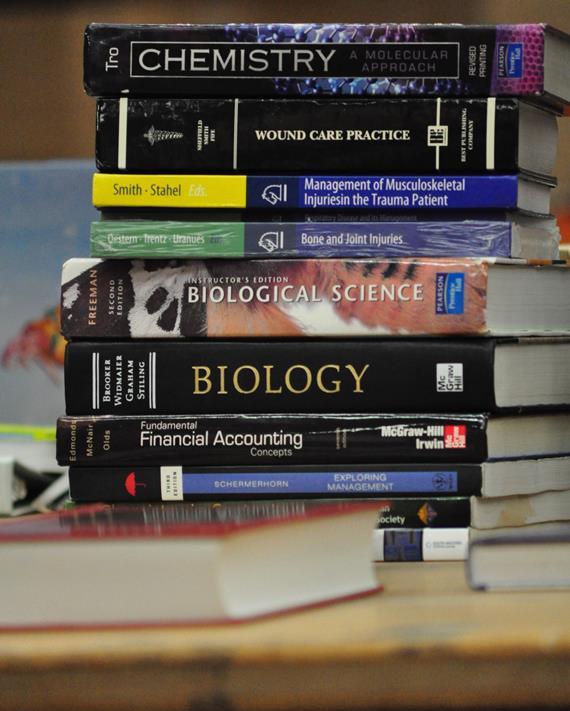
(155, 135)
(131, 484)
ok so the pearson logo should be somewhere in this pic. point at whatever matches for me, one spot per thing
(510, 60)
(449, 292)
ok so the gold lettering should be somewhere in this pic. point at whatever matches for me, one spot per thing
(255, 381)
(222, 390)
(357, 376)
(268, 389)
(288, 383)
(335, 383)
(202, 379)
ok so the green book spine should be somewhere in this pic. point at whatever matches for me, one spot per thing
(167, 239)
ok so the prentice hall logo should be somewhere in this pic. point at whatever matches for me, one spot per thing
(449, 293)
(510, 60)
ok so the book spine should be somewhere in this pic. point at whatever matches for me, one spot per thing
(425, 512)
(227, 240)
(270, 439)
(182, 483)
(348, 376)
(314, 60)
(350, 192)
(111, 299)
(419, 136)
(397, 545)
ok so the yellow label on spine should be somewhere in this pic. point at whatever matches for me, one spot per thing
(126, 190)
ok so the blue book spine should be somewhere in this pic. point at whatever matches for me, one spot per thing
(369, 192)
(322, 483)
(390, 239)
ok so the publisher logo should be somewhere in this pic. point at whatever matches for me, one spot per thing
(443, 481)
(510, 60)
(455, 436)
(270, 241)
(131, 484)
(275, 193)
(449, 292)
(449, 377)
(438, 136)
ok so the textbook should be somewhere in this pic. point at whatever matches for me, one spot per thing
(188, 482)
(287, 298)
(103, 565)
(524, 559)
(181, 135)
(520, 237)
(313, 438)
(397, 375)
(520, 510)
(348, 59)
(325, 192)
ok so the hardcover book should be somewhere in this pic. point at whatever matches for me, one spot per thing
(341, 136)
(349, 376)
(527, 559)
(208, 440)
(325, 192)
(521, 237)
(114, 299)
(183, 482)
(327, 59)
(112, 568)
(520, 510)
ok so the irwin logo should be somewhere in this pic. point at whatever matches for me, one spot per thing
(297, 379)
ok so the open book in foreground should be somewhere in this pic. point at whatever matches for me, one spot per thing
(141, 565)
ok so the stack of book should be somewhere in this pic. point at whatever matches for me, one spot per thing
(324, 269)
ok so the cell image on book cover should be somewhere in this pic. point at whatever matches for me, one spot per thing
(281, 298)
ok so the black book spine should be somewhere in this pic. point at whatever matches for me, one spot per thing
(340, 136)
(329, 376)
(188, 483)
(434, 512)
(313, 60)
(270, 439)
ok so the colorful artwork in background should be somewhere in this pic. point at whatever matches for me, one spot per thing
(45, 211)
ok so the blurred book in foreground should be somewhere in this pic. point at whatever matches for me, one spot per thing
(132, 565)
